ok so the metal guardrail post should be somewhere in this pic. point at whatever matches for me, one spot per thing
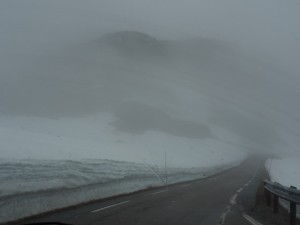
(275, 204)
(268, 197)
(275, 191)
(293, 211)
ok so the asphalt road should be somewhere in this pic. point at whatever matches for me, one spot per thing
(214, 200)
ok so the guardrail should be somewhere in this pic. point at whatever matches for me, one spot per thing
(274, 190)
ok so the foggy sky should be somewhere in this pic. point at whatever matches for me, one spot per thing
(240, 58)
(269, 26)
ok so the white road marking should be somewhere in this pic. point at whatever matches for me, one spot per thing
(240, 190)
(251, 220)
(158, 192)
(185, 185)
(110, 206)
(233, 201)
(224, 214)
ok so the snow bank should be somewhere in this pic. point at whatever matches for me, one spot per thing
(44, 165)
(30, 187)
(285, 171)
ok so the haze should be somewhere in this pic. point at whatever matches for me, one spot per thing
(224, 71)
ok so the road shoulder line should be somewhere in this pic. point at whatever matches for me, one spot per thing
(251, 220)
(110, 206)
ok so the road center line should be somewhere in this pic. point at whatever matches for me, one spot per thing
(158, 192)
(110, 206)
(233, 202)
(233, 199)
(224, 214)
(240, 190)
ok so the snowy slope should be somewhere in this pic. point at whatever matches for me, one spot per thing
(46, 163)
(94, 137)
(285, 171)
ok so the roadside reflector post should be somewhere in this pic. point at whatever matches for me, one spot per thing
(275, 204)
(293, 211)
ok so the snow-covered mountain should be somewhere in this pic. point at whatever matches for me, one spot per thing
(132, 98)
(200, 90)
